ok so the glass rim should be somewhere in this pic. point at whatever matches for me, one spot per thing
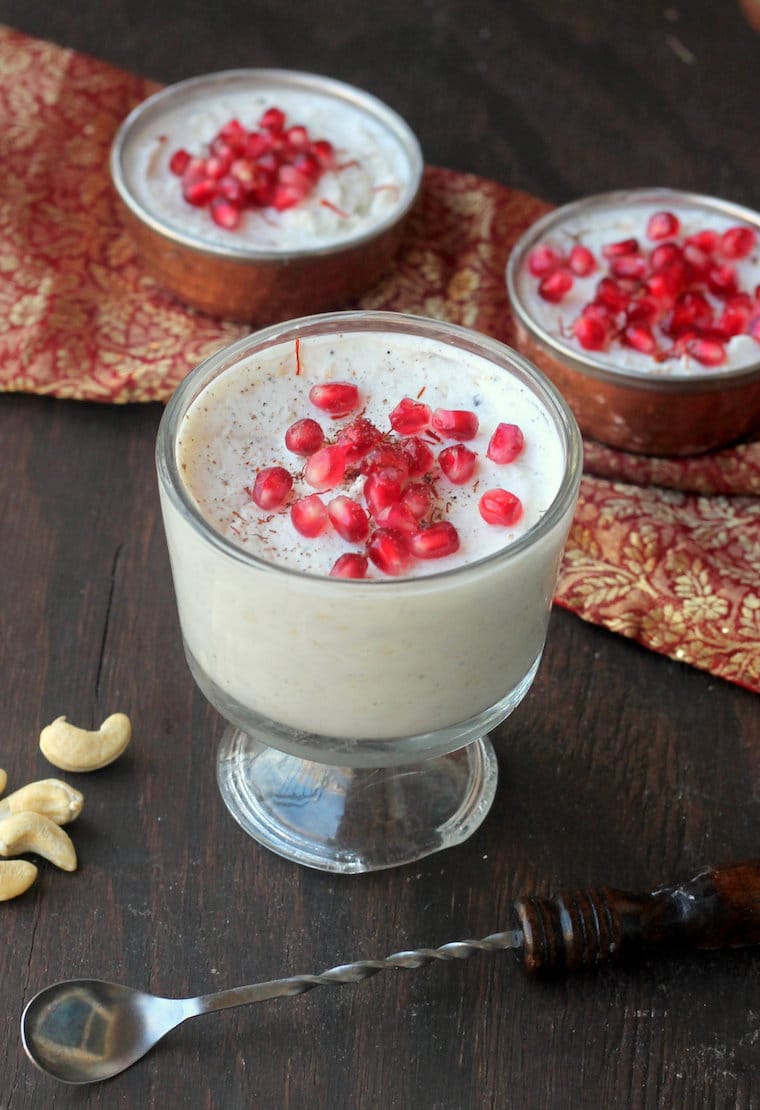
(377, 322)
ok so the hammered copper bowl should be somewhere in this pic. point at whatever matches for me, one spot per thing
(652, 413)
(244, 283)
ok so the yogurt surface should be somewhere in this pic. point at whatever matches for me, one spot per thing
(371, 180)
(236, 428)
(595, 227)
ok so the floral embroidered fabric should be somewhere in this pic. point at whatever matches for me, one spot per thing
(664, 551)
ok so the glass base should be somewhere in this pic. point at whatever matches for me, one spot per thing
(354, 819)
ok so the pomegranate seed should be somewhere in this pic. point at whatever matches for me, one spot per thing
(418, 497)
(733, 320)
(455, 423)
(707, 240)
(590, 332)
(505, 444)
(419, 457)
(350, 565)
(581, 261)
(217, 166)
(435, 542)
(640, 338)
(617, 250)
(286, 196)
(323, 152)
(272, 486)
(458, 463)
(272, 120)
(381, 489)
(225, 213)
(297, 137)
(663, 225)
(644, 310)
(498, 506)
(410, 417)
(357, 438)
(710, 352)
(309, 516)
(723, 280)
(304, 437)
(389, 551)
(544, 260)
(628, 266)
(398, 516)
(198, 191)
(337, 398)
(325, 468)
(232, 190)
(753, 328)
(697, 258)
(664, 255)
(669, 281)
(233, 131)
(691, 310)
(609, 294)
(178, 162)
(386, 457)
(738, 242)
(554, 286)
(348, 519)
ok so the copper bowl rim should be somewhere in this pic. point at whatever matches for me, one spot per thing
(175, 94)
(697, 381)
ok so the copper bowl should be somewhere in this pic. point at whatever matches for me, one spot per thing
(241, 281)
(649, 410)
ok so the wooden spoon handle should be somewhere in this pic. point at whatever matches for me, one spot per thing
(719, 908)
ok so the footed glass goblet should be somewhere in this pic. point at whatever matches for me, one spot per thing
(358, 708)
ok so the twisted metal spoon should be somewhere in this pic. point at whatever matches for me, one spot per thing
(85, 1030)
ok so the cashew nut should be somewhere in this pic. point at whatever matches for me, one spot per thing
(16, 876)
(32, 832)
(74, 749)
(50, 797)
(3, 780)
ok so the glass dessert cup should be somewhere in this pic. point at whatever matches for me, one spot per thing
(633, 404)
(358, 709)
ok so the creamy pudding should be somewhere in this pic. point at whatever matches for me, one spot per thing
(268, 632)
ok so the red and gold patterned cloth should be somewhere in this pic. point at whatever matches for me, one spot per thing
(664, 551)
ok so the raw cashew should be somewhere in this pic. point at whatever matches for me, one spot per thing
(74, 749)
(50, 797)
(32, 832)
(16, 876)
(3, 780)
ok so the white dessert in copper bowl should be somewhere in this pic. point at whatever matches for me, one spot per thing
(643, 307)
(255, 194)
(365, 514)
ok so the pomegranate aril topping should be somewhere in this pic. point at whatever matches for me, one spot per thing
(272, 120)
(609, 294)
(691, 310)
(505, 444)
(398, 516)
(738, 242)
(628, 266)
(325, 468)
(707, 240)
(555, 285)
(386, 457)
(418, 497)
(710, 352)
(357, 438)
(435, 542)
(304, 437)
(178, 162)
(348, 518)
(199, 191)
(590, 332)
(389, 551)
(337, 398)
(753, 328)
(544, 260)
(664, 255)
(733, 320)
(309, 516)
(350, 565)
(225, 213)
(458, 463)
(498, 506)
(640, 337)
(419, 457)
(271, 487)
(624, 246)
(581, 261)
(382, 488)
(410, 417)
(455, 423)
(324, 152)
(663, 225)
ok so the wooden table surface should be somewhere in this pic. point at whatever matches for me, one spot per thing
(620, 767)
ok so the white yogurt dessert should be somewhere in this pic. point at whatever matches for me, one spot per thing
(670, 289)
(426, 645)
(361, 164)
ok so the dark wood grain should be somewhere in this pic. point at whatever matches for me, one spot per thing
(620, 767)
